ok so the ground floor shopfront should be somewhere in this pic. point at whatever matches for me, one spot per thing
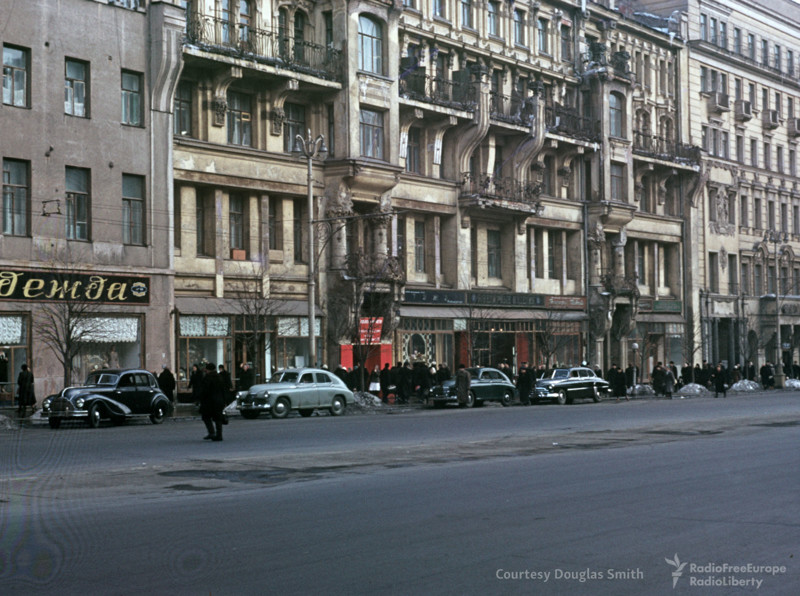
(114, 320)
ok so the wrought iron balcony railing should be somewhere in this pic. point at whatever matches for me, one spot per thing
(661, 147)
(569, 122)
(511, 189)
(514, 109)
(436, 90)
(620, 285)
(264, 45)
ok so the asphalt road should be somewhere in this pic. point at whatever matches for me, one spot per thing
(584, 499)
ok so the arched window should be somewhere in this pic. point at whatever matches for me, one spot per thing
(616, 115)
(370, 45)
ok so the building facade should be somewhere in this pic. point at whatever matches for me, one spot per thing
(85, 276)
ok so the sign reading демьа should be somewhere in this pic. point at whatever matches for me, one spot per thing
(58, 286)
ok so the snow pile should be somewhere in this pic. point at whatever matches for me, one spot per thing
(744, 386)
(792, 384)
(7, 423)
(366, 402)
(691, 389)
(642, 390)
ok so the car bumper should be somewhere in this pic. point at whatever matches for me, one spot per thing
(545, 394)
(68, 413)
(254, 407)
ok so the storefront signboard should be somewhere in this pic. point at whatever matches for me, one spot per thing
(59, 286)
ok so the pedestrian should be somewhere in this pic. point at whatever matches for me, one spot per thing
(227, 383)
(405, 386)
(196, 382)
(463, 382)
(375, 381)
(386, 382)
(25, 394)
(166, 382)
(524, 384)
(719, 379)
(246, 377)
(669, 381)
(212, 403)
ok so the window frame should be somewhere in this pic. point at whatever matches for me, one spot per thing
(182, 109)
(371, 134)
(133, 232)
(494, 254)
(16, 194)
(71, 84)
(370, 45)
(132, 99)
(237, 209)
(293, 125)
(239, 119)
(78, 205)
(10, 74)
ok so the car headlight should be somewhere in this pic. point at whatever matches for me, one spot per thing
(46, 405)
(79, 403)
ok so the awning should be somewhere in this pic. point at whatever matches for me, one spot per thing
(463, 312)
(210, 305)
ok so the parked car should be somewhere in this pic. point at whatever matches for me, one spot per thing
(564, 385)
(118, 395)
(487, 384)
(301, 389)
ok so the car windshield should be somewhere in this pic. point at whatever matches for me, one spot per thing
(100, 378)
(284, 377)
(556, 373)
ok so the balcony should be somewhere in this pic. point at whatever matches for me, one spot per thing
(487, 190)
(568, 122)
(620, 285)
(663, 148)
(272, 47)
(438, 91)
(511, 110)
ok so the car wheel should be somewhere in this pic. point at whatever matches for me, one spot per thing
(505, 401)
(306, 412)
(249, 414)
(597, 397)
(338, 406)
(281, 408)
(54, 422)
(562, 397)
(94, 416)
(471, 401)
(158, 415)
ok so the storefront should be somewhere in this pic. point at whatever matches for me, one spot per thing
(14, 350)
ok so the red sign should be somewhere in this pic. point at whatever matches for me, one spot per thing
(369, 330)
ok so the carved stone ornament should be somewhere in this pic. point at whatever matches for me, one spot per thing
(220, 107)
(723, 258)
(278, 117)
(721, 206)
(596, 236)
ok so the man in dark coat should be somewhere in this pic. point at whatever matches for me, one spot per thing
(524, 385)
(246, 377)
(25, 394)
(386, 381)
(227, 383)
(463, 382)
(212, 403)
(166, 382)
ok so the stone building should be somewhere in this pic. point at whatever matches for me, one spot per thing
(86, 148)
(743, 88)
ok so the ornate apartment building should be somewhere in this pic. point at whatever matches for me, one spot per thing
(744, 87)
(549, 181)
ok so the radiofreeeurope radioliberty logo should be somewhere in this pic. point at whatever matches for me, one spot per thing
(722, 575)
(676, 575)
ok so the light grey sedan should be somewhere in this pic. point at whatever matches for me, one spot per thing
(301, 389)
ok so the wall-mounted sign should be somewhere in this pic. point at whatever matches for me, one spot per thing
(57, 286)
(370, 329)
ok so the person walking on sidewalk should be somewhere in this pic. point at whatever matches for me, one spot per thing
(25, 394)
(212, 403)
(463, 382)
(719, 379)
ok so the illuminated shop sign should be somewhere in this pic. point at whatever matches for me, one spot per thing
(75, 287)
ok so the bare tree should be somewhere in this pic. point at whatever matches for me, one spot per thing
(67, 317)
(256, 308)
(553, 334)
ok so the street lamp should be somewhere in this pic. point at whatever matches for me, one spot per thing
(777, 238)
(310, 148)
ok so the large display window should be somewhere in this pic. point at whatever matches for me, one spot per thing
(13, 354)
(202, 339)
(107, 342)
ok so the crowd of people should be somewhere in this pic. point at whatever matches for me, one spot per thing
(402, 382)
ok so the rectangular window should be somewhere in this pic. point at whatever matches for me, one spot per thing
(413, 150)
(466, 13)
(272, 224)
(566, 43)
(78, 203)
(789, 107)
(293, 125)
(754, 152)
(331, 138)
(737, 40)
(745, 278)
(493, 263)
(751, 95)
(16, 69)
(743, 211)
(541, 36)
(758, 279)
(16, 193)
(132, 105)
(733, 272)
(371, 123)
(239, 119)
(617, 182)
(132, 209)
(757, 215)
(751, 46)
(776, 57)
(784, 217)
(201, 217)
(767, 156)
(795, 220)
(519, 28)
(493, 17)
(419, 246)
(723, 35)
(703, 27)
(779, 158)
(713, 272)
(440, 8)
(76, 76)
(764, 52)
(182, 120)
(712, 30)
(771, 214)
(778, 103)
(236, 221)
(792, 162)
(740, 148)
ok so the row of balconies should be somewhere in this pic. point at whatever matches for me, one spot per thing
(743, 111)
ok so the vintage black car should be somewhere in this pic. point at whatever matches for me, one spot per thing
(564, 385)
(487, 384)
(117, 395)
